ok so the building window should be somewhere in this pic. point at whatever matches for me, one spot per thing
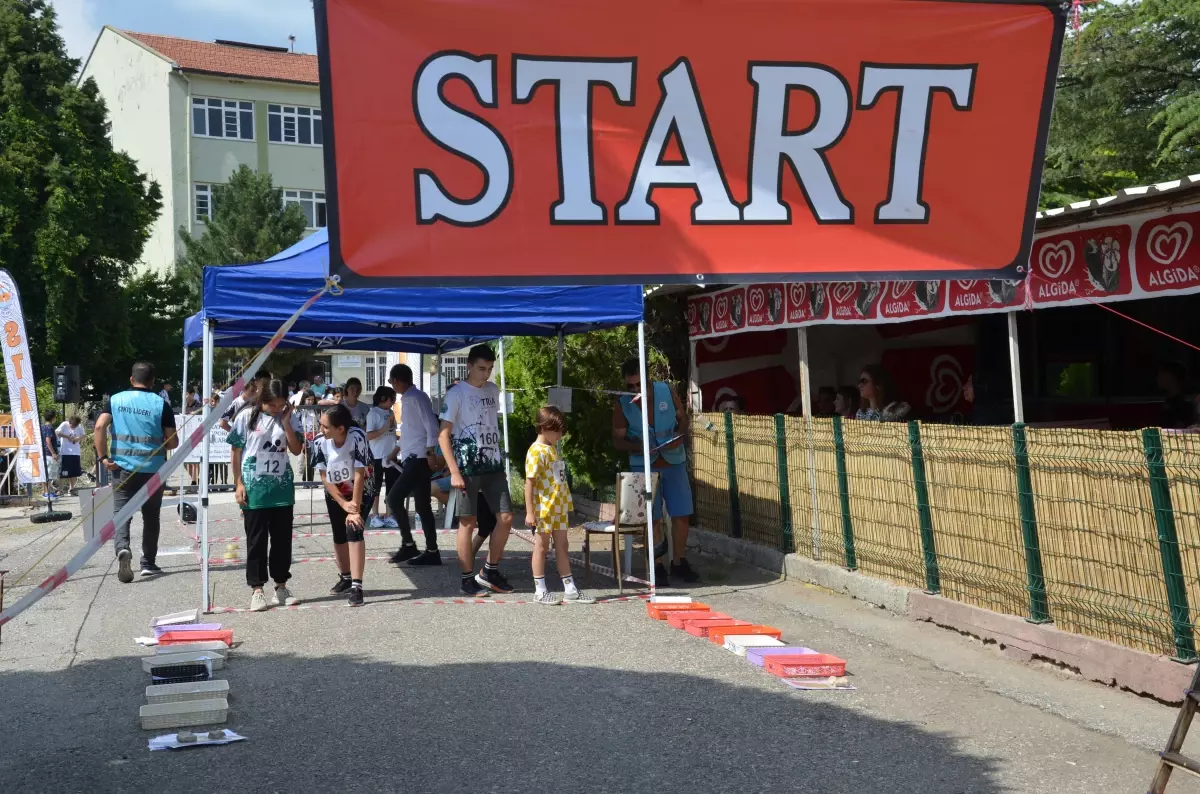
(287, 124)
(222, 118)
(312, 204)
(455, 369)
(370, 387)
(204, 202)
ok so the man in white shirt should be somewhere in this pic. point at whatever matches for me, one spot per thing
(418, 439)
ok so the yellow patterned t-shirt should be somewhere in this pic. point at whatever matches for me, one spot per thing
(551, 494)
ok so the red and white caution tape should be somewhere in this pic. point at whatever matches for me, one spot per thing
(135, 503)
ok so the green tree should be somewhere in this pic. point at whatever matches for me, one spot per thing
(74, 213)
(591, 365)
(1127, 107)
(249, 223)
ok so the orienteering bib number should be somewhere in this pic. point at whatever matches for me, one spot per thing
(339, 475)
(559, 469)
(270, 464)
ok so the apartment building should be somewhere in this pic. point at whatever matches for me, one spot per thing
(192, 112)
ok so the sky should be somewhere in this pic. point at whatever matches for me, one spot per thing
(254, 21)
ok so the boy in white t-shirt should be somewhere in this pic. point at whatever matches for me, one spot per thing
(70, 434)
(381, 436)
(470, 442)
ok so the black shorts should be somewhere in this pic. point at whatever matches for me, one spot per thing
(337, 521)
(70, 467)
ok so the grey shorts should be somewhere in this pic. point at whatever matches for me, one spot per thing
(492, 487)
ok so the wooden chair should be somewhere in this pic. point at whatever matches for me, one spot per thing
(629, 518)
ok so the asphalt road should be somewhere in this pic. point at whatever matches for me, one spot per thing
(510, 697)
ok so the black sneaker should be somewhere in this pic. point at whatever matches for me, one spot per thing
(124, 566)
(355, 599)
(150, 569)
(427, 557)
(403, 554)
(343, 584)
(684, 571)
(493, 580)
(471, 588)
(660, 575)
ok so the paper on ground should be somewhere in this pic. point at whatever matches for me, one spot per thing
(171, 741)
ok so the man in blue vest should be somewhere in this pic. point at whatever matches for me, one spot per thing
(143, 429)
(668, 458)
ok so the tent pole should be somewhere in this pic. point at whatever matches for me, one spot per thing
(806, 406)
(202, 508)
(560, 357)
(184, 392)
(504, 406)
(649, 491)
(695, 398)
(1014, 363)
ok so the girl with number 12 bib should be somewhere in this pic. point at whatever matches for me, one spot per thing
(260, 440)
(343, 459)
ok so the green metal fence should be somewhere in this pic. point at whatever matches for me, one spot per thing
(1095, 531)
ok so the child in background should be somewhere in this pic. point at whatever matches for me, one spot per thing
(548, 507)
(381, 435)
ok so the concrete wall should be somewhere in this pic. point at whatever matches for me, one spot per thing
(135, 84)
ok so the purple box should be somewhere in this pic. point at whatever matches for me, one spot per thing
(161, 630)
(755, 655)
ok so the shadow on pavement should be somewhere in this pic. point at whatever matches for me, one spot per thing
(341, 722)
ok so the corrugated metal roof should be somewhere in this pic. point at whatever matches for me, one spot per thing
(1142, 193)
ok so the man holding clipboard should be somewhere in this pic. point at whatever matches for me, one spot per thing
(668, 459)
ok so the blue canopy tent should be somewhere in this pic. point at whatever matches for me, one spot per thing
(244, 305)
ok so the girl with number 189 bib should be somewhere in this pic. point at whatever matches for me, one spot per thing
(343, 459)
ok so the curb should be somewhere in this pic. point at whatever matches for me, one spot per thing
(1097, 660)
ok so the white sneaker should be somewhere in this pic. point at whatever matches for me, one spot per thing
(577, 597)
(258, 601)
(376, 523)
(390, 522)
(546, 598)
(283, 597)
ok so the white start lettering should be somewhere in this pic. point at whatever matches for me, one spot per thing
(1174, 276)
(775, 150)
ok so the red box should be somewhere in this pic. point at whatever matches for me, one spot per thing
(678, 620)
(809, 665)
(179, 637)
(716, 635)
(660, 611)
(698, 627)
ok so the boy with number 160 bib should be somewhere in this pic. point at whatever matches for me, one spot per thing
(470, 442)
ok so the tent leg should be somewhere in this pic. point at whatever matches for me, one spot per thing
(1014, 363)
(560, 357)
(504, 408)
(184, 391)
(202, 508)
(695, 399)
(806, 405)
(646, 454)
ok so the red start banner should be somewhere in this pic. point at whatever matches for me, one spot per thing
(677, 141)
(1142, 258)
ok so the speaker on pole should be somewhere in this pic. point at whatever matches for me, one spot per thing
(66, 384)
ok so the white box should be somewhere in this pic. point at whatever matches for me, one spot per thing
(738, 643)
(176, 618)
(216, 646)
(185, 714)
(215, 689)
(671, 600)
(175, 659)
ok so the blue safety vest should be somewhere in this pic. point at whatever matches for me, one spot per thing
(137, 430)
(662, 413)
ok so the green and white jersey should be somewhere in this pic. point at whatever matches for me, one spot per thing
(266, 467)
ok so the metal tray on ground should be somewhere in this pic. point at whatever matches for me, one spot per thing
(185, 714)
(161, 665)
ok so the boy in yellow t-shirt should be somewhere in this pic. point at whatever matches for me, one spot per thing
(548, 507)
